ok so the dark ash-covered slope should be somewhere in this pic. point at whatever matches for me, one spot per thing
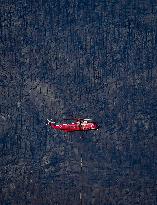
(77, 58)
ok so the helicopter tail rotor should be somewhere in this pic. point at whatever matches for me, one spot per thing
(49, 121)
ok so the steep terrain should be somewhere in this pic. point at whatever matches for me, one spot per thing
(78, 58)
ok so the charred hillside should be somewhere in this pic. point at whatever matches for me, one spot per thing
(78, 58)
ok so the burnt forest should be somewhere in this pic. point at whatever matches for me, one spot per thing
(78, 59)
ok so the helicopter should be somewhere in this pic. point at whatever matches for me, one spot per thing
(71, 125)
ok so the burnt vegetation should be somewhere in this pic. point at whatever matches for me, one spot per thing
(78, 58)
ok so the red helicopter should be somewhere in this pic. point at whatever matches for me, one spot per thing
(72, 125)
